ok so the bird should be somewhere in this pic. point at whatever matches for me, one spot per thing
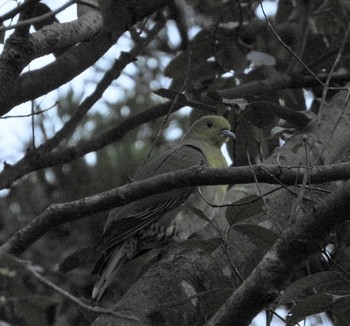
(159, 219)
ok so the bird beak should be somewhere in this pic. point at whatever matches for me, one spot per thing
(229, 133)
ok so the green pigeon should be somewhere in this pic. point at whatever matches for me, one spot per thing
(156, 220)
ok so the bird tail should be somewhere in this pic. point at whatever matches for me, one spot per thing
(109, 270)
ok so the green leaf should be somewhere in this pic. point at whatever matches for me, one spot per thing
(329, 281)
(7, 272)
(293, 98)
(259, 58)
(279, 131)
(244, 208)
(204, 71)
(205, 245)
(196, 211)
(231, 56)
(201, 50)
(258, 235)
(341, 310)
(79, 258)
(259, 114)
(315, 304)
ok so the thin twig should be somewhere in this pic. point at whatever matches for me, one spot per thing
(344, 322)
(223, 239)
(110, 75)
(282, 184)
(36, 20)
(12, 13)
(251, 201)
(334, 66)
(324, 93)
(331, 260)
(287, 46)
(316, 189)
(32, 104)
(301, 195)
(277, 315)
(166, 118)
(294, 54)
(74, 299)
(303, 32)
(30, 114)
(346, 102)
(60, 213)
(274, 221)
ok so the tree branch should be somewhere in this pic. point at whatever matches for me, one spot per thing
(339, 141)
(35, 160)
(110, 75)
(20, 50)
(12, 13)
(38, 19)
(193, 265)
(64, 213)
(270, 276)
(67, 212)
(243, 254)
(280, 82)
(116, 20)
(32, 269)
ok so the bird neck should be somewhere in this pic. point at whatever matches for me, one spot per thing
(212, 153)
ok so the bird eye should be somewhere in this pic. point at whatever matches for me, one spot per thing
(210, 124)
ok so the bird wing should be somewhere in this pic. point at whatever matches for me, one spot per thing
(126, 221)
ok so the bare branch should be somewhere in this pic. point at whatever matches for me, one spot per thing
(303, 33)
(291, 249)
(12, 13)
(30, 114)
(196, 176)
(334, 66)
(101, 33)
(35, 20)
(198, 269)
(295, 55)
(34, 160)
(20, 50)
(110, 75)
(280, 82)
(33, 270)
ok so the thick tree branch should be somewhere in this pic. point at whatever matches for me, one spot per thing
(38, 19)
(294, 246)
(35, 160)
(116, 20)
(325, 142)
(150, 298)
(337, 141)
(20, 49)
(280, 82)
(12, 13)
(110, 75)
(184, 288)
(66, 212)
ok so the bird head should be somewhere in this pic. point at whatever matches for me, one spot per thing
(212, 129)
